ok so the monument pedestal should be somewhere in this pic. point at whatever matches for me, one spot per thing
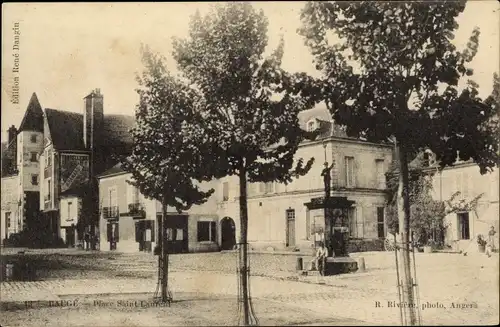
(340, 265)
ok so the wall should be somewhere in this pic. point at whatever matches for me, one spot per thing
(267, 210)
(9, 203)
(27, 168)
(127, 241)
(193, 244)
(48, 173)
(467, 179)
(69, 213)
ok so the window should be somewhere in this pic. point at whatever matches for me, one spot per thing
(206, 231)
(311, 125)
(379, 164)
(290, 214)
(48, 190)
(7, 219)
(48, 158)
(225, 191)
(34, 179)
(170, 234)
(427, 161)
(33, 138)
(269, 187)
(463, 226)
(349, 172)
(132, 194)
(113, 201)
(34, 157)
(69, 210)
(179, 235)
(380, 222)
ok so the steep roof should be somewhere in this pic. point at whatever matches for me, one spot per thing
(319, 112)
(33, 117)
(66, 129)
(116, 129)
(326, 124)
(115, 170)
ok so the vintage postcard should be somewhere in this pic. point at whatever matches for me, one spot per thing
(250, 163)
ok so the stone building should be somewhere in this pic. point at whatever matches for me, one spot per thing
(279, 215)
(464, 226)
(54, 156)
(131, 223)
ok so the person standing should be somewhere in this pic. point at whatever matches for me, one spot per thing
(321, 255)
(491, 237)
(87, 240)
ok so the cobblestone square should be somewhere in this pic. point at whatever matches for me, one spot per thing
(467, 292)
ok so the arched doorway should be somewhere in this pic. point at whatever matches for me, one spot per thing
(228, 233)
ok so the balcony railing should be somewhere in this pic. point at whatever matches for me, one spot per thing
(136, 210)
(110, 212)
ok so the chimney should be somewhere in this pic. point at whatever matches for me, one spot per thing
(12, 132)
(93, 116)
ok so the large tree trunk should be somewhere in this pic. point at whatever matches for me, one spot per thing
(244, 247)
(164, 252)
(404, 229)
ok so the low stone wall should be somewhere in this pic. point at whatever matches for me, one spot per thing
(366, 245)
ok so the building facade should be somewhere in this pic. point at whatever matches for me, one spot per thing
(54, 157)
(20, 171)
(76, 148)
(279, 215)
(11, 219)
(131, 223)
(464, 226)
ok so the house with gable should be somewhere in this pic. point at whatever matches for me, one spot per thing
(54, 156)
(78, 147)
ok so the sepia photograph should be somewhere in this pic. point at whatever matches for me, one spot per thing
(272, 163)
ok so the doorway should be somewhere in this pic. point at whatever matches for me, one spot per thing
(463, 226)
(228, 233)
(70, 236)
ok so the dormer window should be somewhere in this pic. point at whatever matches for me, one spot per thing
(311, 125)
(429, 159)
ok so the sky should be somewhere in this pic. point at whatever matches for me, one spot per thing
(68, 49)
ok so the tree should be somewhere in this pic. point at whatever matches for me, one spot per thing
(250, 125)
(164, 161)
(426, 214)
(391, 71)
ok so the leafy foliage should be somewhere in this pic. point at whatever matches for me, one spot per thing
(247, 127)
(165, 158)
(391, 70)
(454, 204)
(426, 214)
